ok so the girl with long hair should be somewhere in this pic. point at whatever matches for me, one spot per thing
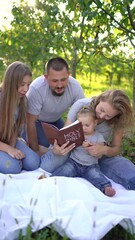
(15, 155)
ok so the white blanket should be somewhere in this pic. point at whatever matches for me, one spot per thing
(72, 205)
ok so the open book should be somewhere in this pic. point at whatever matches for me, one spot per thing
(72, 133)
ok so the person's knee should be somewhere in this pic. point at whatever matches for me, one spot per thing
(131, 184)
(50, 162)
(11, 167)
(31, 163)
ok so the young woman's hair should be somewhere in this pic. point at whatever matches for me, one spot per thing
(56, 64)
(119, 101)
(10, 102)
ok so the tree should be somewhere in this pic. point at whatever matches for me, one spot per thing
(81, 31)
(115, 28)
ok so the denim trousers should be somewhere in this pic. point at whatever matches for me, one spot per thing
(91, 173)
(42, 140)
(10, 165)
(119, 169)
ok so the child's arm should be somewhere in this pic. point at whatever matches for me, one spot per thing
(89, 144)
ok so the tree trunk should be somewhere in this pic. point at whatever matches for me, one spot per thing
(134, 87)
(73, 71)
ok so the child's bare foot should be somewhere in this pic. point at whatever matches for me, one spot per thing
(42, 176)
(109, 191)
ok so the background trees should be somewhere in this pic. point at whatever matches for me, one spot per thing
(93, 36)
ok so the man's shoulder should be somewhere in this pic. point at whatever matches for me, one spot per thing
(39, 82)
(73, 85)
(72, 80)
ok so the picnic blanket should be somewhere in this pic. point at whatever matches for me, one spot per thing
(72, 205)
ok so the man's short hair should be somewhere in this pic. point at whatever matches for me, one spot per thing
(57, 64)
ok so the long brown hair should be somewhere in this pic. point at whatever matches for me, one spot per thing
(119, 101)
(9, 101)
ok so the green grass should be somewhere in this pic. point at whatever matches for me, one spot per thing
(99, 84)
(47, 233)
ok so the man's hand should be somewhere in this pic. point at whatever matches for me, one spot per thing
(63, 150)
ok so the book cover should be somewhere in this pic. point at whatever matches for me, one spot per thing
(72, 133)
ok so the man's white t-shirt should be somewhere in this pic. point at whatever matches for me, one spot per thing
(42, 102)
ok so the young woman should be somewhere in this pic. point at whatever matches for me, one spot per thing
(15, 155)
(114, 113)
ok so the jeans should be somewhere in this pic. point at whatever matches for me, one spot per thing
(50, 161)
(42, 140)
(11, 165)
(119, 169)
(92, 173)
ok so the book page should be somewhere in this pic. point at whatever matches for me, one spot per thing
(72, 124)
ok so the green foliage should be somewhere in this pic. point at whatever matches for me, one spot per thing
(128, 147)
(47, 233)
(118, 233)
(76, 30)
(96, 82)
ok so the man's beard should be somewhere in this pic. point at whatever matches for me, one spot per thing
(57, 94)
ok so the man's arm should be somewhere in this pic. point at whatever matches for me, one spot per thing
(71, 117)
(31, 132)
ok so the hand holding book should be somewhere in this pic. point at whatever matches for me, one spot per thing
(62, 150)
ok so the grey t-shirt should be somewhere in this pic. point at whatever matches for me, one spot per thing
(81, 156)
(42, 102)
(104, 128)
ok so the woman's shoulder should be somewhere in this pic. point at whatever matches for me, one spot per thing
(80, 103)
(76, 107)
(105, 129)
(84, 101)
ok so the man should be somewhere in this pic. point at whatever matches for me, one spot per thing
(49, 96)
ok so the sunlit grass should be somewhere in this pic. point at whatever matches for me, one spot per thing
(98, 84)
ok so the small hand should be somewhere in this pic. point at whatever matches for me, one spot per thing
(86, 144)
(62, 150)
(96, 150)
